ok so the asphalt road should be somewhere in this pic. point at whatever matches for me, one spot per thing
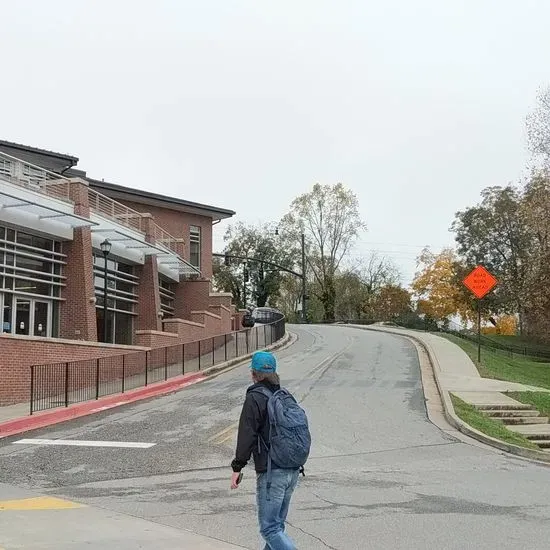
(381, 475)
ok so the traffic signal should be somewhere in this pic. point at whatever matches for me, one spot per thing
(227, 261)
(246, 275)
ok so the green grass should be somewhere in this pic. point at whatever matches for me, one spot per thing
(519, 341)
(473, 417)
(499, 366)
(540, 400)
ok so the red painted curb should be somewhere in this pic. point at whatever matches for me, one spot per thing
(41, 420)
(49, 418)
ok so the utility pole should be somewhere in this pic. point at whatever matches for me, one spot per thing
(245, 280)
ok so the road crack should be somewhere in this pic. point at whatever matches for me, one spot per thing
(325, 544)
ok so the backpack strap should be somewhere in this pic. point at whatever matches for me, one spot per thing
(269, 394)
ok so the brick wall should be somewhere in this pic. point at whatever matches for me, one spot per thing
(191, 296)
(20, 352)
(177, 224)
(224, 313)
(211, 322)
(221, 298)
(187, 331)
(156, 339)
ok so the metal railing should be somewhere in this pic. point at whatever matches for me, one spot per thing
(128, 217)
(35, 178)
(529, 351)
(163, 238)
(62, 384)
(115, 211)
(537, 354)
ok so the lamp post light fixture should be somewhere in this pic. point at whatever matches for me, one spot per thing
(105, 249)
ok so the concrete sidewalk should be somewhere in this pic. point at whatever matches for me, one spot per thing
(456, 371)
(30, 520)
(456, 374)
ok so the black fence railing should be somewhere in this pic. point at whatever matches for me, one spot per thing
(62, 384)
(537, 354)
(526, 350)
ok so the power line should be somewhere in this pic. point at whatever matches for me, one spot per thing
(405, 245)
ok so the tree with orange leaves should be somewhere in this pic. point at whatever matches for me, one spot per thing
(438, 289)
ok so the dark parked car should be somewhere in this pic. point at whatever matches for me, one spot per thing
(248, 320)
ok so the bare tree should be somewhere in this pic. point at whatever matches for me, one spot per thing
(538, 128)
(329, 217)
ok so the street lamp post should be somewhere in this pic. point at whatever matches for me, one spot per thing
(105, 249)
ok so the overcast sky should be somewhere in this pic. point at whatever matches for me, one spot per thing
(245, 104)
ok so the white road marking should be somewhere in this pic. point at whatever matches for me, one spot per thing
(82, 443)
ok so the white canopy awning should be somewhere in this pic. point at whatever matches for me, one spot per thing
(40, 208)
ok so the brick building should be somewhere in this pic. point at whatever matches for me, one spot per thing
(53, 220)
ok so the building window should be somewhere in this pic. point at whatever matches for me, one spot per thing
(5, 167)
(30, 283)
(195, 246)
(167, 293)
(121, 299)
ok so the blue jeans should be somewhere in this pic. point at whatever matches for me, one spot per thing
(272, 513)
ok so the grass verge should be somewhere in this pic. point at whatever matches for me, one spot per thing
(540, 400)
(500, 366)
(493, 428)
(519, 341)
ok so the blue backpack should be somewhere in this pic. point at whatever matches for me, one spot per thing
(289, 437)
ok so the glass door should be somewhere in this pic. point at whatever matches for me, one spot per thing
(7, 313)
(41, 320)
(22, 316)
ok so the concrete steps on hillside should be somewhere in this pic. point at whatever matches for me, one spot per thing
(519, 417)
(518, 420)
(506, 407)
(512, 414)
(504, 413)
(539, 434)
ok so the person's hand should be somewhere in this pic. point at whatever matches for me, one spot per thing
(235, 480)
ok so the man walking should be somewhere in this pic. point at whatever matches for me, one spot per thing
(270, 411)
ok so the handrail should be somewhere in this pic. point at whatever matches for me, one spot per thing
(61, 384)
(36, 178)
(33, 177)
(107, 207)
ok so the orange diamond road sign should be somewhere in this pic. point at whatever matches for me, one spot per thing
(480, 282)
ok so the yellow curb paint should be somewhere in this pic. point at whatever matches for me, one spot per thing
(221, 436)
(38, 503)
(226, 438)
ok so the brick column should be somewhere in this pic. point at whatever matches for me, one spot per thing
(148, 227)
(148, 305)
(192, 295)
(77, 311)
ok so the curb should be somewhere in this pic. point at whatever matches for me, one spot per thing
(78, 410)
(449, 410)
